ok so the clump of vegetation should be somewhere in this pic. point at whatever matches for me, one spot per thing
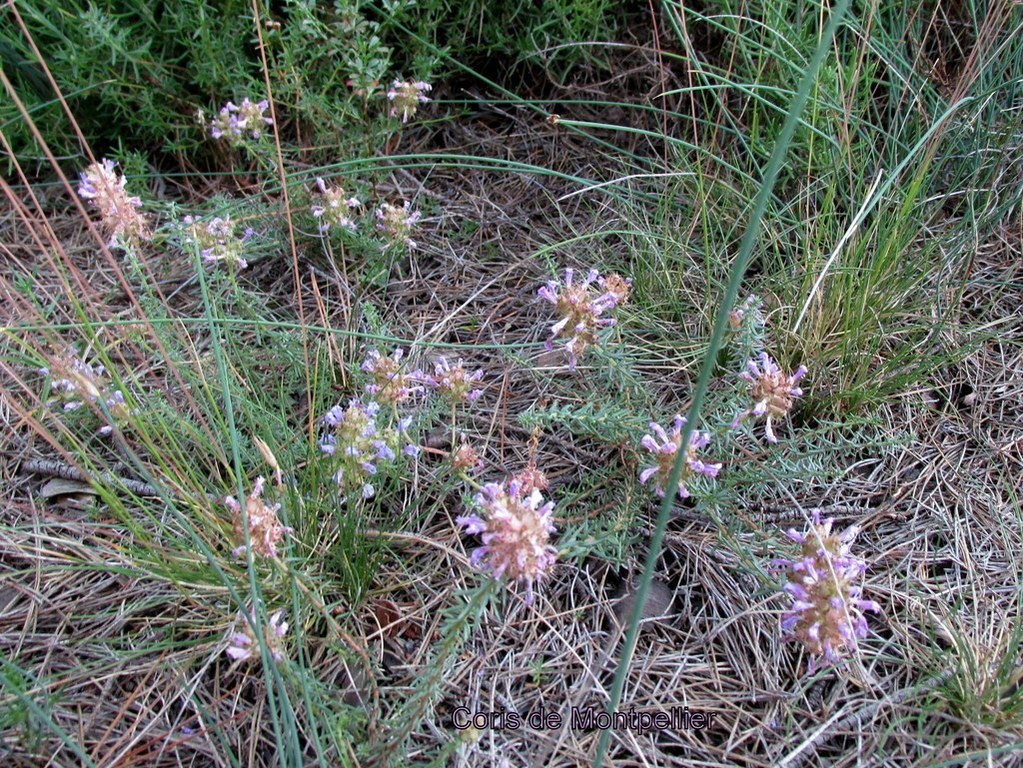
(345, 400)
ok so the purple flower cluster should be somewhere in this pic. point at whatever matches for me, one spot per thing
(333, 208)
(390, 384)
(265, 529)
(664, 446)
(515, 529)
(217, 240)
(361, 444)
(582, 308)
(239, 122)
(243, 646)
(104, 188)
(405, 98)
(773, 392)
(826, 615)
(397, 223)
(78, 382)
(454, 382)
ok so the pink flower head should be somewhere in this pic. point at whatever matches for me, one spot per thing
(665, 447)
(465, 458)
(243, 646)
(773, 392)
(454, 382)
(405, 98)
(333, 207)
(265, 529)
(397, 223)
(515, 528)
(104, 188)
(826, 615)
(581, 308)
(618, 287)
(390, 384)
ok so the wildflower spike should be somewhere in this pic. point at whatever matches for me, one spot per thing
(581, 309)
(397, 223)
(515, 528)
(333, 207)
(454, 382)
(104, 188)
(664, 446)
(773, 392)
(826, 614)
(265, 529)
(243, 646)
(235, 123)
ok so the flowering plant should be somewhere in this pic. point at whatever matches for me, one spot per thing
(333, 207)
(361, 443)
(265, 529)
(454, 382)
(77, 382)
(397, 223)
(405, 98)
(235, 123)
(390, 384)
(217, 241)
(826, 614)
(104, 188)
(582, 309)
(773, 392)
(665, 447)
(243, 646)
(515, 528)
